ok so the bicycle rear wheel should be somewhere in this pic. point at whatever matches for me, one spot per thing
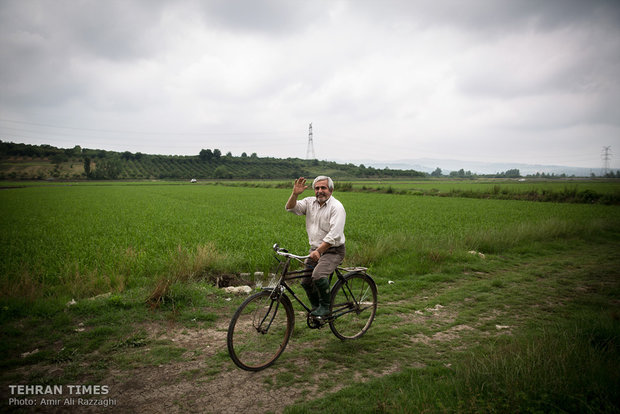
(259, 330)
(353, 306)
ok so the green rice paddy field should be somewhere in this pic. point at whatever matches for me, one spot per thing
(485, 305)
(124, 235)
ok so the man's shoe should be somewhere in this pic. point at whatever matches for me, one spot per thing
(322, 285)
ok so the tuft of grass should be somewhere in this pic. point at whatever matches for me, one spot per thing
(186, 266)
(136, 340)
(24, 285)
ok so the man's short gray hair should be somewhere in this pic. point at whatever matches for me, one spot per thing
(330, 183)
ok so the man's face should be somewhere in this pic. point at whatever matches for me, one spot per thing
(322, 191)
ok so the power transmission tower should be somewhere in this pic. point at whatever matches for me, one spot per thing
(310, 150)
(606, 155)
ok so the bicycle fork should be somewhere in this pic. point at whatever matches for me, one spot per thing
(261, 328)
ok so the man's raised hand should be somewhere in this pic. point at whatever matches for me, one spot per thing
(300, 186)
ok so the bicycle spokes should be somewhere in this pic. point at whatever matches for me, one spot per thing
(354, 304)
(260, 330)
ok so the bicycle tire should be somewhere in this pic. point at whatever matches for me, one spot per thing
(353, 306)
(260, 330)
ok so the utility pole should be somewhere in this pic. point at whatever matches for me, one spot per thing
(606, 155)
(310, 150)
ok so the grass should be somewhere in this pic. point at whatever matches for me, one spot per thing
(572, 190)
(566, 368)
(560, 353)
(548, 277)
(489, 185)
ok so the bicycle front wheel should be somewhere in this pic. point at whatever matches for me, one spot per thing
(353, 306)
(260, 330)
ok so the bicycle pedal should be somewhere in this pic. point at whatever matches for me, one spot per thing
(315, 322)
(323, 319)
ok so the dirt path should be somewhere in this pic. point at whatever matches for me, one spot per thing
(171, 389)
(236, 391)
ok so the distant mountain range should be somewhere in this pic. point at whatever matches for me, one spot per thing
(429, 165)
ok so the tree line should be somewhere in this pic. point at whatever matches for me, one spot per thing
(207, 164)
(96, 164)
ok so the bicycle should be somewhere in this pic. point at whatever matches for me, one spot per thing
(262, 325)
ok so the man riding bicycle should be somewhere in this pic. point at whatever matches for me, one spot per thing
(325, 219)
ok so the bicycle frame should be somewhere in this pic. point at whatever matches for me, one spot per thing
(287, 275)
(262, 325)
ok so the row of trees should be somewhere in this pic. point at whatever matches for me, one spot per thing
(514, 173)
(208, 164)
(54, 153)
(612, 174)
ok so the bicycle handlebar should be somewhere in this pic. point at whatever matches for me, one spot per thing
(285, 253)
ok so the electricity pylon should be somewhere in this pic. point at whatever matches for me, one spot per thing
(310, 150)
(606, 155)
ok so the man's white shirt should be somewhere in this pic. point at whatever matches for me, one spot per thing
(323, 223)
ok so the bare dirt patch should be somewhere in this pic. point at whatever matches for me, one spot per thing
(196, 384)
(173, 387)
(232, 391)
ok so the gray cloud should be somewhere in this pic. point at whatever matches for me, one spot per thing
(494, 16)
(275, 17)
(392, 79)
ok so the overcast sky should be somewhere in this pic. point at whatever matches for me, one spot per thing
(529, 81)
